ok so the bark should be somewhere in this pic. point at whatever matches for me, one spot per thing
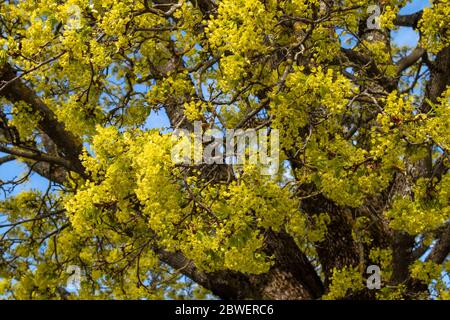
(338, 248)
(66, 142)
(408, 20)
(291, 277)
(441, 249)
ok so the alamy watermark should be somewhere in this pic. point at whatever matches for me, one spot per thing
(236, 147)
(74, 280)
(374, 279)
(373, 21)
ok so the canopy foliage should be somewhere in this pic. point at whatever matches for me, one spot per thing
(364, 140)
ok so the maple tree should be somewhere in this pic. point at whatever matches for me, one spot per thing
(364, 149)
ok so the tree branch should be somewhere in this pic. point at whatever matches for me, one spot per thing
(291, 277)
(409, 60)
(66, 142)
(6, 159)
(408, 20)
(441, 249)
(37, 156)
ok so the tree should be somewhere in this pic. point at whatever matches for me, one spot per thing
(364, 149)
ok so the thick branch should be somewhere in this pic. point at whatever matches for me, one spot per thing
(6, 159)
(409, 60)
(441, 249)
(408, 20)
(37, 156)
(224, 284)
(402, 257)
(49, 171)
(291, 277)
(48, 123)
